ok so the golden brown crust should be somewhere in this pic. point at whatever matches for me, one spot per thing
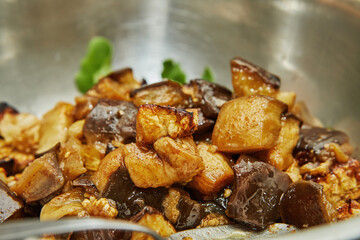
(154, 122)
(248, 124)
(217, 173)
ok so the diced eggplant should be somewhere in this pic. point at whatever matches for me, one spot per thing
(71, 159)
(281, 156)
(209, 96)
(40, 179)
(166, 93)
(257, 189)
(154, 122)
(54, 126)
(10, 205)
(304, 205)
(116, 86)
(130, 200)
(6, 108)
(153, 219)
(249, 79)
(83, 106)
(205, 125)
(313, 140)
(110, 120)
(217, 173)
(108, 166)
(248, 124)
(183, 212)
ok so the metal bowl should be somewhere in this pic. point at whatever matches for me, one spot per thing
(312, 45)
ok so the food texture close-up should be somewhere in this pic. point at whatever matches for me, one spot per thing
(179, 120)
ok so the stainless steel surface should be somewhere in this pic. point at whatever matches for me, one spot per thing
(31, 228)
(313, 45)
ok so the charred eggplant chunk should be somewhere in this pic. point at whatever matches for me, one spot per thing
(181, 210)
(209, 96)
(304, 205)
(249, 79)
(257, 189)
(313, 140)
(166, 93)
(110, 120)
(40, 179)
(248, 124)
(10, 205)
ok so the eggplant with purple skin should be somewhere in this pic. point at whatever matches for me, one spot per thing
(257, 189)
(110, 120)
(166, 93)
(10, 205)
(304, 205)
(313, 140)
(208, 96)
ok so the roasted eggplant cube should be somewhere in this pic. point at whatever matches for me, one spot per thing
(281, 156)
(209, 96)
(248, 124)
(40, 179)
(257, 189)
(110, 120)
(217, 173)
(154, 122)
(249, 79)
(304, 205)
(10, 205)
(183, 212)
(313, 139)
(166, 93)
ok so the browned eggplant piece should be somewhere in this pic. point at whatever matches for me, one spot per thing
(130, 200)
(108, 166)
(54, 126)
(249, 79)
(83, 106)
(116, 86)
(304, 205)
(153, 219)
(313, 140)
(183, 212)
(205, 125)
(154, 122)
(257, 189)
(110, 120)
(6, 108)
(281, 156)
(209, 96)
(217, 173)
(71, 159)
(10, 205)
(248, 124)
(40, 179)
(166, 93)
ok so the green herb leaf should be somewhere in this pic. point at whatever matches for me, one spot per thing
(208, 75)
(96, 63)
(173, 71)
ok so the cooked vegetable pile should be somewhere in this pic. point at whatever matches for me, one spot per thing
(175, 156)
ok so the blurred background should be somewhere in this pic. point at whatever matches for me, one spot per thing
(313, 45)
